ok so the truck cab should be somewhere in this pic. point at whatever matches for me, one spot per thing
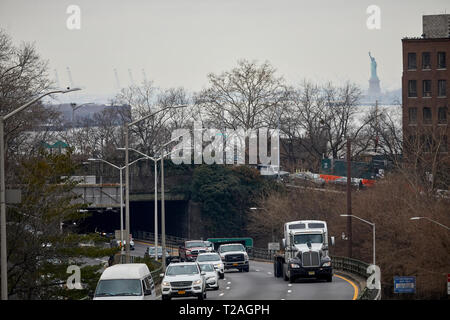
(306, 252)
(189, 250)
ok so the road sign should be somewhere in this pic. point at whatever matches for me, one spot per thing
(404, 284)
(274, 246)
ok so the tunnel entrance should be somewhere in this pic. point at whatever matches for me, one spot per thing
(141, 218)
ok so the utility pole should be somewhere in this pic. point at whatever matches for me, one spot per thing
(349, 198)
(163, 217)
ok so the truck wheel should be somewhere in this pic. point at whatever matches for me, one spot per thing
(291, 279)
(278, 271)
(330, 278)
(201, 296)
(285, 277)
(221, 275)
(247, 269)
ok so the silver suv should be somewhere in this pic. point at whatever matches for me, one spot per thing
(183, 279)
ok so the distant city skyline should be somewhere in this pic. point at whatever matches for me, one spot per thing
(177, 43)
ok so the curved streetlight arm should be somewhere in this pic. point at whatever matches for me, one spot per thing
(142, 158)
(154, 113)
(350, 215)
(26, 105)
(418, 218)
(141, 153)
(113, 165)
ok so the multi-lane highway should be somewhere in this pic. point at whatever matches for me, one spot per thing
(260, 284)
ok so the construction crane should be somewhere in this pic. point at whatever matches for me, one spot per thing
(131, 77)
(144, 76)
(58, 85)
(69, 75)
(117, 79)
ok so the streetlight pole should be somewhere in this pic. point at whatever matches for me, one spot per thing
(127, 173)
(440, 224)
(349, 198)
(370, 223)
(74, 108)
(4, 259)
(121, 192)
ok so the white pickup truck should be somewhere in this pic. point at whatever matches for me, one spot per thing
(234, 256)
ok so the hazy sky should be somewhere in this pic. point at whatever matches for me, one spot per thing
(178, 42)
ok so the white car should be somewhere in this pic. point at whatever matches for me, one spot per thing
(128, 281)
(183, 279)
(213, 258)
(211, 275)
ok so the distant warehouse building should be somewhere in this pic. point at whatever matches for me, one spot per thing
(426, 89)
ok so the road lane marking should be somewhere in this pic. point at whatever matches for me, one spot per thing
(229, 282)
(289, 291)
(355, 288)
(290, 285)
(228, 288)
(221, 294)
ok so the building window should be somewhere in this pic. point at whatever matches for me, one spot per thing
(412, 115)
(426, 88)
(412, 88)
(426, 60)
(427, 115)
(442, 84)
(442, 115)
(412, 61)
(441, 60)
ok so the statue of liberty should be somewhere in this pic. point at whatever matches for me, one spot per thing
(373, 67)
(374, 82)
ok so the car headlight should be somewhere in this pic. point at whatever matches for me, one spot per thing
(294, 265)
(327, 264)
(246, 256)
(166, 283)
(219, 265)
(199, 281)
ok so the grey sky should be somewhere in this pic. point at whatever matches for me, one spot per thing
(178, 42)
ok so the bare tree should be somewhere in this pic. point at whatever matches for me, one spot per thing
(248, 96)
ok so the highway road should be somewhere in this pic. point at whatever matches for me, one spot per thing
(260, 284)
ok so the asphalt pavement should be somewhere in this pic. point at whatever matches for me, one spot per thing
(260, 284)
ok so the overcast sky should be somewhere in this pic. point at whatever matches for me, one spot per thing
(178, 42)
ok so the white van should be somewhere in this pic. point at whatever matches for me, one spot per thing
(129, 281)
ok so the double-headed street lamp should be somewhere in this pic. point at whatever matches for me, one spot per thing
(368, 222)
(418, 218)
(4, 260)
(121, 191)
(155, 160)
(127, 173)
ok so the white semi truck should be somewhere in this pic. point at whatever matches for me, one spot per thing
(305, 251)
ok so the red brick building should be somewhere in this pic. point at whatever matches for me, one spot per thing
(426, 91)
